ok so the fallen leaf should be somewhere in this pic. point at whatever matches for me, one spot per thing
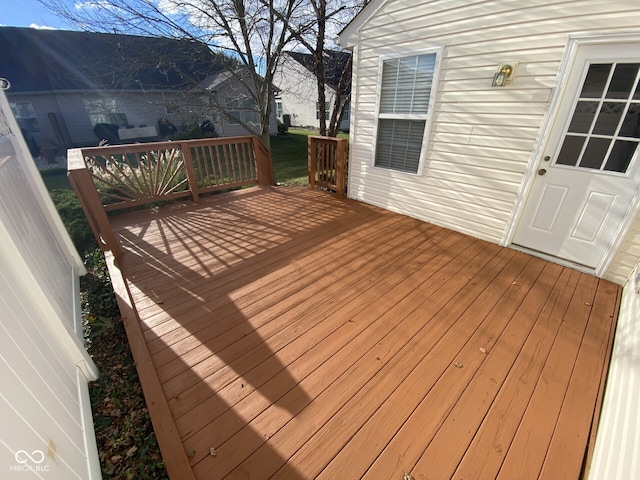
(132, 450)
(212, 452)
(458, 365)
(483, 350)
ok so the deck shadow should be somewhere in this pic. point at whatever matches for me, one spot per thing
(215, 352)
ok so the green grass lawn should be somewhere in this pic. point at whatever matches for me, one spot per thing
(289, 157)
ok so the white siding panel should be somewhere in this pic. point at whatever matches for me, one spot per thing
(618, 438)
(39, 403)
(494, 130)
(21, 214)
(627, 257)
(76, 118)
(43, 404)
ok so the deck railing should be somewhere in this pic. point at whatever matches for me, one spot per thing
(123, 176)
(327, 163)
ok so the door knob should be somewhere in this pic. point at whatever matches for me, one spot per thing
(542, 171)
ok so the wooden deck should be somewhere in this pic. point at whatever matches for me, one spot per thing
(281, 333)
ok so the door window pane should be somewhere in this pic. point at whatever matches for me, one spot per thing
(583, 116)
(596, 80)
(621, 156)
(608, 118)
(631, 124)
(570, 151)
(622, 81)
(602, 131)
(595, 152)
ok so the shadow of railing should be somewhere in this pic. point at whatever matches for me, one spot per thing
(215, 345)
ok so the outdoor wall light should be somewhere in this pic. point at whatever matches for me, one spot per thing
(505, 74)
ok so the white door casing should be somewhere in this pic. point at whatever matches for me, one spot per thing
(589, 176)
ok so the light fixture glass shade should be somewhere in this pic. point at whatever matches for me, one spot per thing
(499, 79)
(502, 76)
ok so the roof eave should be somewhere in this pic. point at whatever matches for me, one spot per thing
(348, 36)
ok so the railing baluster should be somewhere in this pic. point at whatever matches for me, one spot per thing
(123, 176)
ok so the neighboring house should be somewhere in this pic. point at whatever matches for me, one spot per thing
(230, 90)
(63, 83)
(547, 163)
(297, 99)
(47, 427)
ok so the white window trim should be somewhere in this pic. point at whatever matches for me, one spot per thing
(429, 117)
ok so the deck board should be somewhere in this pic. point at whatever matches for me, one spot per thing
(304, 337)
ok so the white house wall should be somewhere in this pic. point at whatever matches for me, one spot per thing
(224, 127)
(40, 399)
(482, 139)
(141, 108)
(299, 95)
(47, 431)
(618, 434)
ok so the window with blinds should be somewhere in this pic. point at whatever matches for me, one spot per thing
(405, 96)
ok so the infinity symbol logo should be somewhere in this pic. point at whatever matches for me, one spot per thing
(36, 456)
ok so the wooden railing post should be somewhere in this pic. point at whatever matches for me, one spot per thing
(341, 163)
(187, 159)
(82, 184)
(311, 161)
(327, 163)
(264, 164)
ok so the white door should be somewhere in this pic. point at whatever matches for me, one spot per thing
(589, 174)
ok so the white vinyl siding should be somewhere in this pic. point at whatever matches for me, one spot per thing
(481, 139)
(627, 257)
(44, 369)
(299, 95)
(22, 216)
(618, 437)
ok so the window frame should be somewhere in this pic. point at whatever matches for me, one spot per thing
(427, 118)
(29, 124)
(327, 110)
(109, 107)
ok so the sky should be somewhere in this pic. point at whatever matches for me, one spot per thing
(29, 13)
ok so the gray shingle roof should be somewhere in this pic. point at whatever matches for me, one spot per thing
(44, 60)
